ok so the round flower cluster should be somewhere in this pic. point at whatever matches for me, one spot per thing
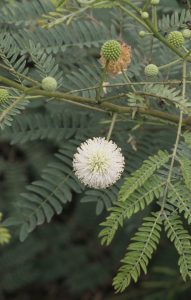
(98, 163)
(151, 70)
(144, 15)
(176, 39)
(49, 84)
(155, 2)
(111, 50)
(186, 33)
(114, 67)
(142, 33)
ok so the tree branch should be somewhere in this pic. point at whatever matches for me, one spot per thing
(106, 105)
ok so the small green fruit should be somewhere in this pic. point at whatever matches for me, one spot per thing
(144, 15)
(4, 95)
(111, 50)
(176, 39)
(49, 84)
(151, 70)
(186, 33)
(155, 2)
(142, 33)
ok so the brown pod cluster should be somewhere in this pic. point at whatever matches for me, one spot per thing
(122, 63)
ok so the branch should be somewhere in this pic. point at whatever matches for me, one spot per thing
(149, 26)
(165, 41)
(107, 106)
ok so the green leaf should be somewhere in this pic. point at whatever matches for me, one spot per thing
(182, 242)
(139, 252)
(153, 188)
(139, 177)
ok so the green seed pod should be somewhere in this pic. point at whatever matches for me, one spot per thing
(186, 33)
(111, 50)
(49, 84)
(176, 39)
(151, 70)
(142, 34)
(144, 15)
(4, 95)
(155, 2)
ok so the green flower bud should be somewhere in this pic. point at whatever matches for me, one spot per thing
(186, 33)
(49, 84)
(151, 70)
(176, 39)
(111, 50)
(142, 34)
(155, 2)
(144, 15)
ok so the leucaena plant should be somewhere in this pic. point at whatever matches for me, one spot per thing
(107, 85)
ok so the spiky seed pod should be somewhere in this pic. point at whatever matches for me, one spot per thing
(111, 50)
(176, 39)
(4, 95)
(122, 63)
(49, 84)
(186, 33)
(155, 2)
(142, 33)
(144, 15)
(151, 70)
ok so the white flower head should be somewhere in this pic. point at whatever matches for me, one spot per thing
(98, 163)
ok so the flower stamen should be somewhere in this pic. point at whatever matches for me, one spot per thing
(98, 163)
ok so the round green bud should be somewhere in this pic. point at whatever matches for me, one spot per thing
(111, 50)
(4, 95)
(144, 15)
(151, 70)
(49, 84)
(186, 33)
(176, 39)
(142, 33)
(155, 2)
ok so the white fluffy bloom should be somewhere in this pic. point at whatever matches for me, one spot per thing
(98, 163)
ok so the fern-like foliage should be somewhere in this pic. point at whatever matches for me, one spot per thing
(80, 80)
(179, 195)
(143, 196)
(184, 157)
(10, 108)
(140, 176)
(45, 63)
(72, 12)
(139, 252)
(4, 233)
(103, 198)
(182, 242)
(167, 93)
(46, 197)
(50, 126)
(186, 167)
(82, 35)
(10, 54)
(63, 39)
(187, 138)
(22, 14)
(176, 20)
